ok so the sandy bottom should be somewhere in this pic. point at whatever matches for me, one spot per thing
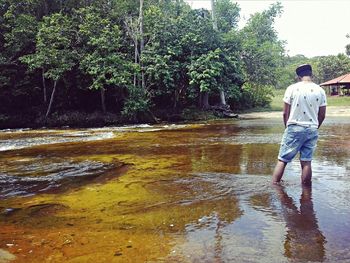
(341, 111)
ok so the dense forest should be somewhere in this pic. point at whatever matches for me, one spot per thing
(92, 63)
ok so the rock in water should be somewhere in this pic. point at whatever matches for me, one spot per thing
(6, 256)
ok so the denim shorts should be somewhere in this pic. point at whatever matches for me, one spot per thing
(296, 139)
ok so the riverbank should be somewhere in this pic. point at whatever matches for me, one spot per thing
(77, 119)
(99, 119)
(334, 111)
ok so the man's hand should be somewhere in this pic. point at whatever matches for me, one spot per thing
(286, 113)
(321, 115)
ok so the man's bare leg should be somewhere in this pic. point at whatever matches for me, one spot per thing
(278, 172)
(306, 172)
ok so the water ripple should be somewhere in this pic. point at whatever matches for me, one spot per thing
(79, 136)
(39, 177)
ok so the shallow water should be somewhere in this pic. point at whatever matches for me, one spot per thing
(171, 193)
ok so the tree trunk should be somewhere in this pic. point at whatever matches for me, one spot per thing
(213, 15)
(205, 101)
(136, 60)
(222, 98)
(46, 8)
(177, 8)
(215, 27)
(142, 41)
(44, 86)
(51, 99)
(176, 98)
(103, 100)
(132, 30)
(142, 45)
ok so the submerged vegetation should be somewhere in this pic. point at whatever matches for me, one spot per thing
(93, 63)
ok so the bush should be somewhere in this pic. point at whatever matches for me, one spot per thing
(136, 107)
(79, 119)
(255, 96)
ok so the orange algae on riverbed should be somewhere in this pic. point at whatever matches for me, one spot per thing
(133, 216)
(192, 193)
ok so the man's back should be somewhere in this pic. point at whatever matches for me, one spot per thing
(305, 98)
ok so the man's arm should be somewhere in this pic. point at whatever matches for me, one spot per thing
(321, 115)
(286, 113)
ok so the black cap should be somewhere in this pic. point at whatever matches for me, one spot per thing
(304, 70)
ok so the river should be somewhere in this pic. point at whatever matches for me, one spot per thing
(172, 193)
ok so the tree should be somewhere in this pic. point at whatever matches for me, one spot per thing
(54, 54)
(175, 42)
(213, 72)
(142, 43)
(262, 55)
(227, 15)
(205, 72)
(262, 51)
(100, 56)
(224, 14)
(18, 27)
(20, 37)
(140, 55)
(215, 27)
(330, 67)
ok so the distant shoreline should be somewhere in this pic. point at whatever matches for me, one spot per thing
(94, 120)
(334, 111)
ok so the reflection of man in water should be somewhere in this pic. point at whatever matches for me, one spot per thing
(304, 241)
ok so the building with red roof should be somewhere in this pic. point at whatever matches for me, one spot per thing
(338, 86)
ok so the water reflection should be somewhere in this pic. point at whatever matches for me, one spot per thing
(304, 241)
(195, 193)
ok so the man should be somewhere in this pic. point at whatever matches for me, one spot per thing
(303, 113)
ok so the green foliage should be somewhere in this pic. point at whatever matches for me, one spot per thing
(215, 71)
(20, 37)
(86, 46)
(136, 106)
(54, 48)
(18, 27)
(227, 15)
(332, 66)
(347, 49)
(262, 52)
(175, 42)
(256, 96)
(205, 71)
(100, 56)
(286, 75)
(324, 68)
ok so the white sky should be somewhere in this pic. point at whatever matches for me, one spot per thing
(328, 23)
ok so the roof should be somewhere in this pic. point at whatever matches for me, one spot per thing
(344, 79)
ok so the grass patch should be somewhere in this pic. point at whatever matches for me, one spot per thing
(277, 101)
(338, 100)
(197, 114)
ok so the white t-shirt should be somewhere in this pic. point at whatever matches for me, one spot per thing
(305, 99)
